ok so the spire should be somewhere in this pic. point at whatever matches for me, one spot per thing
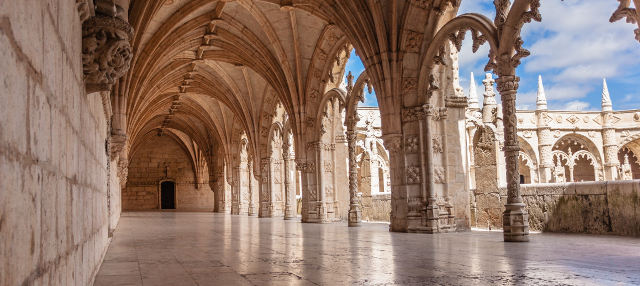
(541, 101)
(606, 100)
(473, 94)
(489, 94)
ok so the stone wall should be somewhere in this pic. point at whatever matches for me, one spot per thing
(158, 159)
(53, 162)
(376, 207)
(610, 207)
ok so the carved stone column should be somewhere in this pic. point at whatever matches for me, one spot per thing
(252, 208)
(515, 217)
(355, 214)
(393, 143)
(286, 157)
(430, 205)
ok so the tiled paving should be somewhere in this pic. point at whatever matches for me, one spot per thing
(200, 248)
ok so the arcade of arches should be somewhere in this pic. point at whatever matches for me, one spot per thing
(239, 106)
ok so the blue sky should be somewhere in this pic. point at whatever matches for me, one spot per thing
(573, 49)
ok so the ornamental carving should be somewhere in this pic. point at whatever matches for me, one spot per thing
(636, 117)
(527, 134)
(598, 120)
(409, 85)
(625, 133)
(422, 4)
(411, 144)
(520, 118)
(592, 134)
(123, 172)
(585, 119)
(413, 175)
(414, 42)
(573, 119)
(328, 190)
(328, 166)
(438, 172)
(311, 122)
(437, 145)
(106, 52)
(393, 144)
(559, 118)
(312, 194)
(630, 13)
(313, 94)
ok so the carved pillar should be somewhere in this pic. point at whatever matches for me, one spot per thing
(430, 206)
(515, 217)
(355, 214)
(611, 163)
(286, 156)
(393, 143)
(252, 208)
(322, 204)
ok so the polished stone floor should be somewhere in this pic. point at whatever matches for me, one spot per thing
(198, 248)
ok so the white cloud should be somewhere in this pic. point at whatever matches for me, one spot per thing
(577, 105)
(576, 42)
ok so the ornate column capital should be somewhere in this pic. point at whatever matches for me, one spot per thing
(508, 86)
(393, 143)
(106, 52)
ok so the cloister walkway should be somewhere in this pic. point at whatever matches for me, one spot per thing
(200, 248)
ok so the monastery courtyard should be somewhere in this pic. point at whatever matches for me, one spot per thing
(204, 248)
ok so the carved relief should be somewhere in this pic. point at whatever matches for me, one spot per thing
(414, 41)
(437, 145)
(328, 166)
(585, 119)
(527, 134)
(557, 134)
(573, 119)
(636, 117)
(106, 52)
(625, 133)
(411, 145)
(314, 94)
(409, 85)
(413, 175)
(438, 172)
(559, 118)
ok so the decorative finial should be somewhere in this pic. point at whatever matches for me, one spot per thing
(541, 101)
(349, 82)
(606, 99)
(489, 94)
(473, 94)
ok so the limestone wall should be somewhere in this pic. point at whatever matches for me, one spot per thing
(610, 207)
(147, 168)
(376, 207)
(53, 162)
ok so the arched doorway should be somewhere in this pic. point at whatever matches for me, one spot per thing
(167, 195)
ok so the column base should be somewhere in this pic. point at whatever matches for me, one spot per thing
(288, 213)
(355, 215)
(515, 223)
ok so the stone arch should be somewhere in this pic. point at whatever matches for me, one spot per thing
(576, 158)
(528, 162)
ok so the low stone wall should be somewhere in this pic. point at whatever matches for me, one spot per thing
(376, 207)
(589, 207)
